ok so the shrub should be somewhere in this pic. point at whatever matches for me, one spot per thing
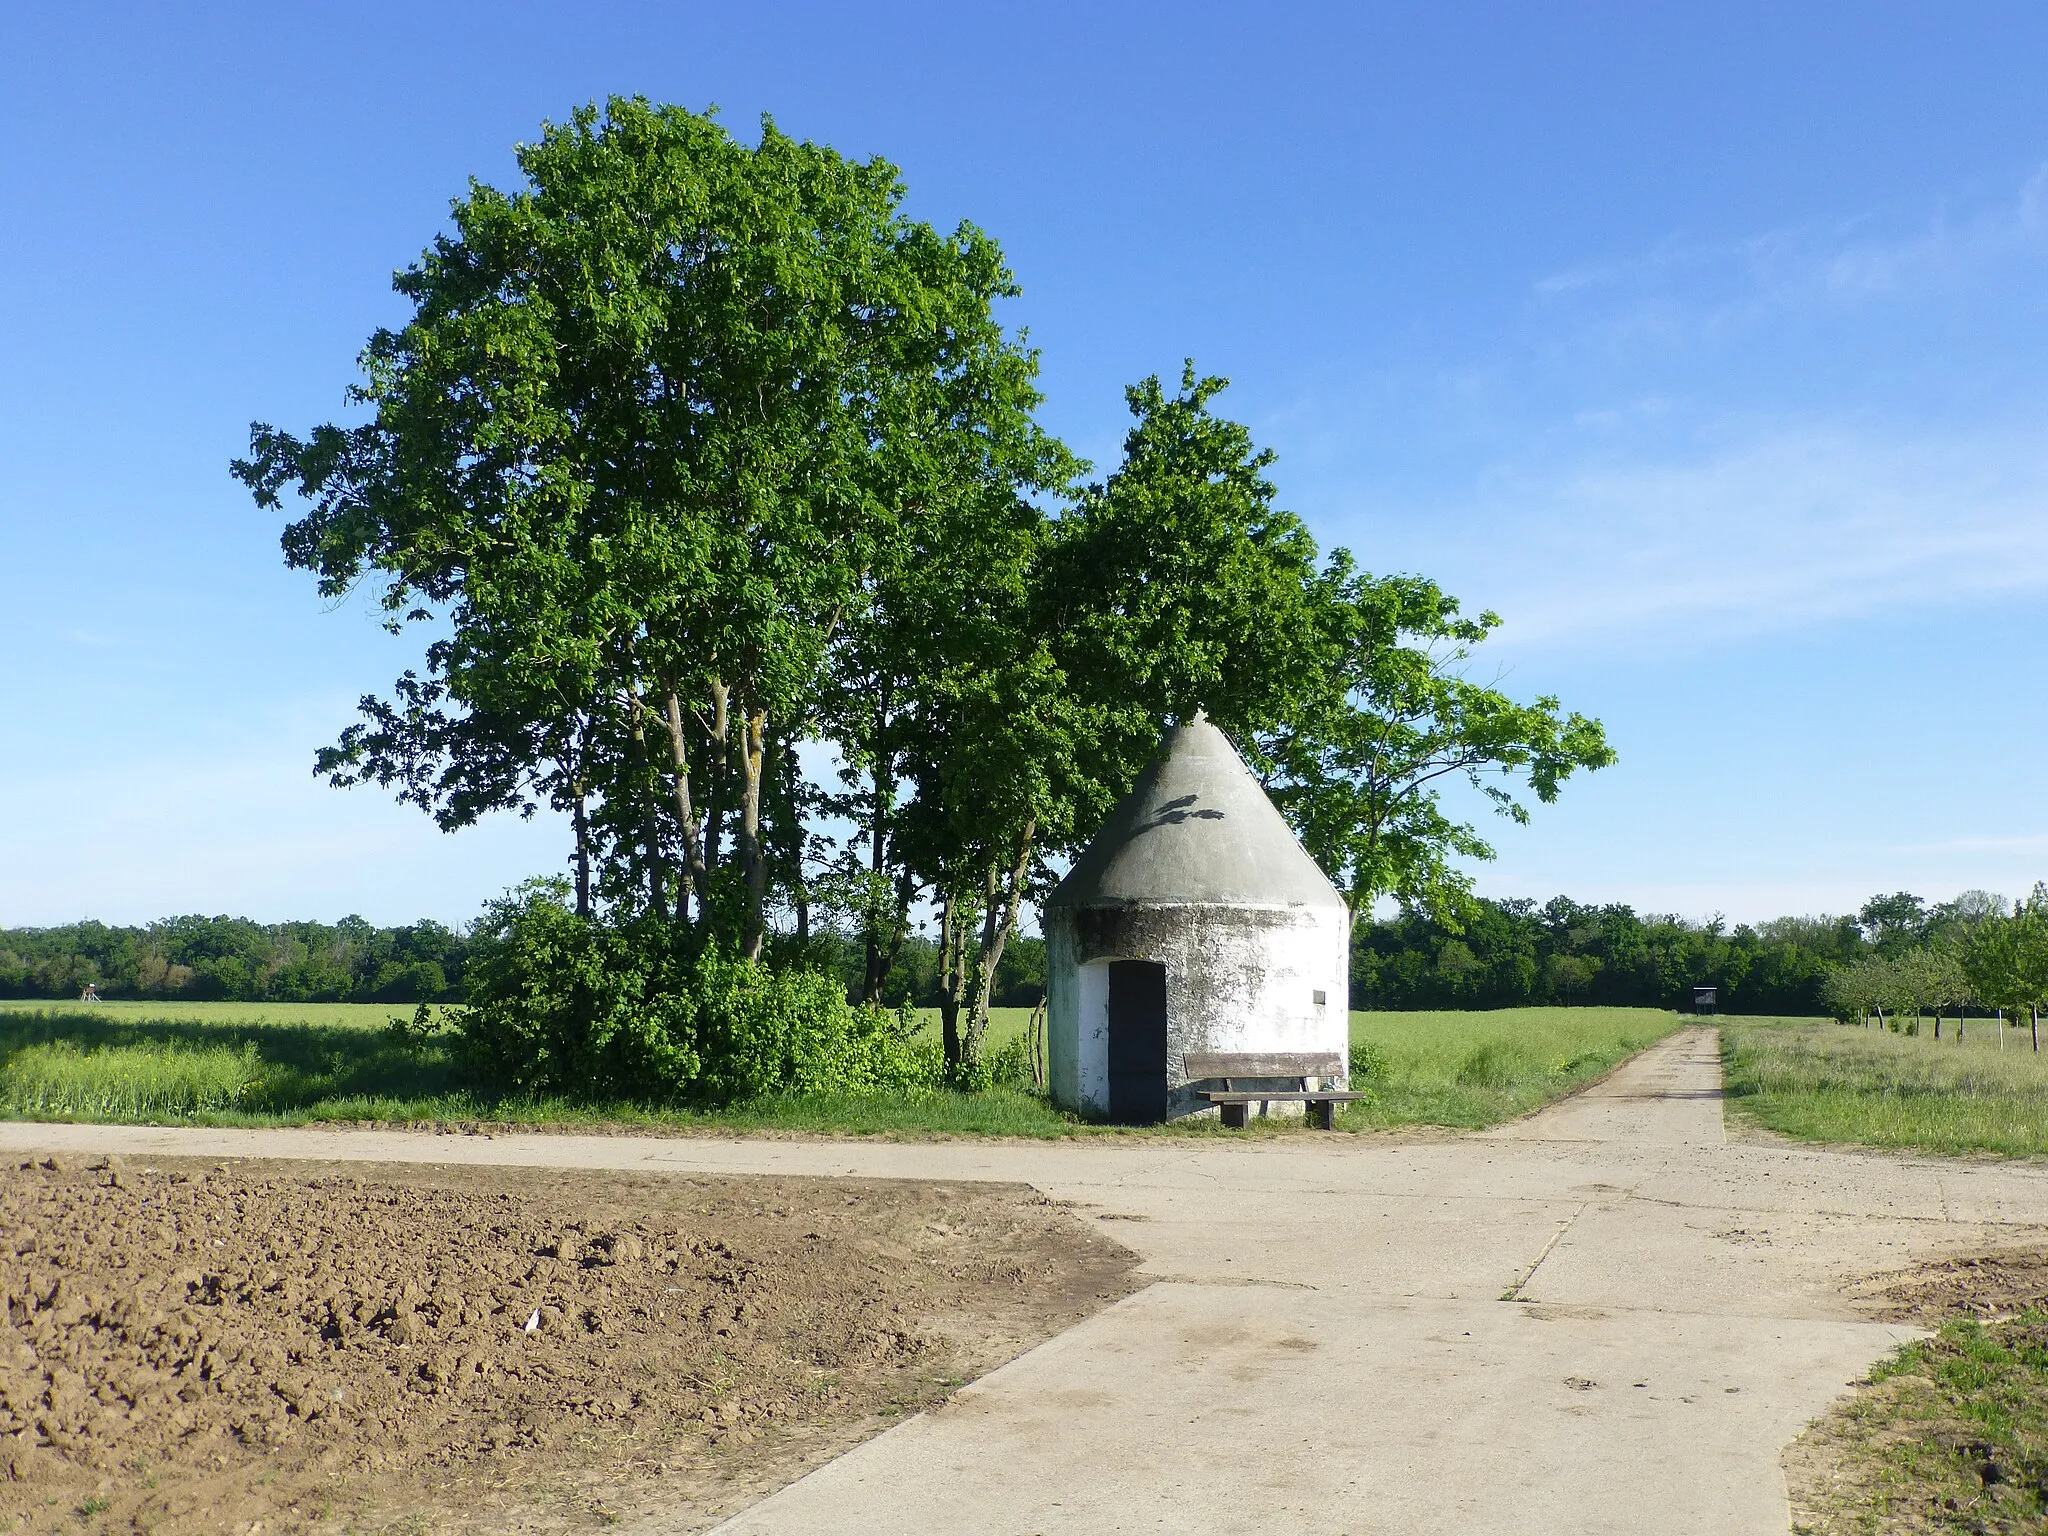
(558, 1004)
(564, 1005)
(1368, 1061)
(760, 1031)
(1009, 1064)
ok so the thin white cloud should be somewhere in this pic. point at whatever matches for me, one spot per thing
(2022, 842)
(1782, 530)
(1663, 453)
(1693, 286)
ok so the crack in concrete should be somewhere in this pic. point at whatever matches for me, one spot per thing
(1514, 1292)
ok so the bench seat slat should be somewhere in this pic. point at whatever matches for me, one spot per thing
(1290, 1095)
(1200, 1065)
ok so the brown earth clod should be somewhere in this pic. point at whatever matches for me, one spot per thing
(1987, 1286)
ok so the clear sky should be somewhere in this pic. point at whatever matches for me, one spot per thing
(1705, 343)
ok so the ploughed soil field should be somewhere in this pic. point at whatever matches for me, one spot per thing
(282, 1347)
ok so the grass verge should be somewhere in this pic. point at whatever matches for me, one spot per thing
(1822, 1081)
(292, 1064)
(1950, 1434)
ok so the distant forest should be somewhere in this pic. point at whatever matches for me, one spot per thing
(1506, 954)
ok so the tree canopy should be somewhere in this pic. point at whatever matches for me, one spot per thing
(715, 483)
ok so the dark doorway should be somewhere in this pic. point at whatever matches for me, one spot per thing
(1137, 1041)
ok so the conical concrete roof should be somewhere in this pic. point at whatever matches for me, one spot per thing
(1196, 829)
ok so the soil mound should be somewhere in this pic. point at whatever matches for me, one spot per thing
(206, 1348)
(1982, 1285)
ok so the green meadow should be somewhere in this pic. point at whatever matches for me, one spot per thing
(1822, 1081)
(300, 1063)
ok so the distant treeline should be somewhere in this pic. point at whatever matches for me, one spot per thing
(1506, 954)
(1516, 953)
(234, 959)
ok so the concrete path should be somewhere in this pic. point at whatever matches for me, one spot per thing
(1605, 1318)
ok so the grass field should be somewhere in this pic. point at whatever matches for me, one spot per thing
(285, 1064)
(1822, 1081)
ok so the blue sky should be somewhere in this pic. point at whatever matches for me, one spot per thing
(1703, 343)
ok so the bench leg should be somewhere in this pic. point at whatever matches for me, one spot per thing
(1322, 1114)
(1233, 1116)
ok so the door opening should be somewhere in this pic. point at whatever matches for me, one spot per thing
(1137, 1041)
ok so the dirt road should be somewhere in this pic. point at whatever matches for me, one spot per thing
(1606, 1318)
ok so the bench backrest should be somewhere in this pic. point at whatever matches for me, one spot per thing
(1204, 1065)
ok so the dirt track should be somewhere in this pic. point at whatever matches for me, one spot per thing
(197, 1347)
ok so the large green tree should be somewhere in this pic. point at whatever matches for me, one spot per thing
(1391, 721)
(695, 455)
(658, 418)
(1176, 584)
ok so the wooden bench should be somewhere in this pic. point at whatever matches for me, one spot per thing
(1259, 1077)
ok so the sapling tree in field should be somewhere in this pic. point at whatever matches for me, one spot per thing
(2005, 960)
(2029, 962)
(1842, 994)
(1945, 986)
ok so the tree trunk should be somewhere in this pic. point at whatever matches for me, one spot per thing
(650, 821)
(721, 761)
(973, 972)
(874, 972)
(582, 854)
(753, 857)
(878, 974)
(694, 872)
(790, 812)
(2034, 1023)
(882, 780)
(1035, 1036)
(997, 925)
(950, 924)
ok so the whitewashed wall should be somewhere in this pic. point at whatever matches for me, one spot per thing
(1237, 979)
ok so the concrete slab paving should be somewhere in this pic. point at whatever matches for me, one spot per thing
(1198, 1408)
(1604, 1318)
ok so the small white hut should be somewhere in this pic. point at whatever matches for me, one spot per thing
(1195, 921)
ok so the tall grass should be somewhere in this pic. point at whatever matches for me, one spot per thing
(1478, 1069)
(172, 1013)
(226, 1063)
(1831, 1082)
(158, 1080)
